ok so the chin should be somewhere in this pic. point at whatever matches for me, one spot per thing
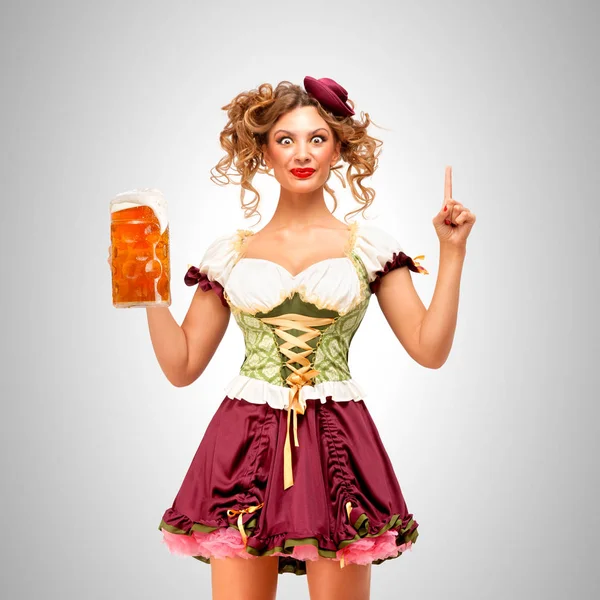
(311, 182)
(302, 186)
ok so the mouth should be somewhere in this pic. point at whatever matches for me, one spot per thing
(302, 173)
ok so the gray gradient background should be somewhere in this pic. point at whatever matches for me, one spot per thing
(496, 453)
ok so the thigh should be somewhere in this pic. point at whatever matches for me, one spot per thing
(327, 581)
(244, 578)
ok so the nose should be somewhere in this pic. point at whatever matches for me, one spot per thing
(302, 154)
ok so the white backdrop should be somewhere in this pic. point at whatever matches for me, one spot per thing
(496, 453)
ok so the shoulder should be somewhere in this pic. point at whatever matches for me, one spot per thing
(381, 251)
(377, 236)
(375, 246)
(220, 255)
(223, 246)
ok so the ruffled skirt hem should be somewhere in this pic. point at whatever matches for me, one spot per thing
(203, 543)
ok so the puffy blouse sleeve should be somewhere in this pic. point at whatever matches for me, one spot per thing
(214, 268)
(381, 253)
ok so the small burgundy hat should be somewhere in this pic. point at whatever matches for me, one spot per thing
(330, 94)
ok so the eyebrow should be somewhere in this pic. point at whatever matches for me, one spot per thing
(311, 133)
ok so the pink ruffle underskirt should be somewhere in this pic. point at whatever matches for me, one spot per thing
(227, 542)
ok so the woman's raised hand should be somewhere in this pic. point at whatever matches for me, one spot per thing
(454, 222)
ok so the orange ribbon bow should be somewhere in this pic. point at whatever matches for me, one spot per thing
(241, 512)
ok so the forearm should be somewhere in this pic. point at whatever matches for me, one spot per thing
(169, 343)
(436, 333)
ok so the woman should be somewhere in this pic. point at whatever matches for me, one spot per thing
(328, 503)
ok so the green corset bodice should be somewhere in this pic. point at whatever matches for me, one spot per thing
(275, 349)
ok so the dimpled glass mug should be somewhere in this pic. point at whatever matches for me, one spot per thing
(139, 251)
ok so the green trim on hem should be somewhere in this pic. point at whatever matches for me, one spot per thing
(249, 526)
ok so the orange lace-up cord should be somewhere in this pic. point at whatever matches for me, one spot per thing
(298, 377)
(249, 509)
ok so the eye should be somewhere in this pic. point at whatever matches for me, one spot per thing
(281, 139)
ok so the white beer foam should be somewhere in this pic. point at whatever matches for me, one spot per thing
(150, 197)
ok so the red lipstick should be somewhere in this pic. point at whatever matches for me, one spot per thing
(302, 173)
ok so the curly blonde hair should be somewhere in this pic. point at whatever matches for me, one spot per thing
(252, 114)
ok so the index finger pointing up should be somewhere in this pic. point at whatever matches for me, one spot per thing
(448, 183)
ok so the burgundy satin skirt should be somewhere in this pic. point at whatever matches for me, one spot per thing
(345, 504)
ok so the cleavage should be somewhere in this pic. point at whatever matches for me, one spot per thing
(295, 272)
(297, 275)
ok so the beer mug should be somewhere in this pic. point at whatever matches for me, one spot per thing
(139, 237)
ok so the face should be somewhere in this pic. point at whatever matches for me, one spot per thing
(301, 139)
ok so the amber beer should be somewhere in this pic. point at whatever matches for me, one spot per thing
(139, 237)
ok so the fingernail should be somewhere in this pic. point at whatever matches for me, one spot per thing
(446, 207)
(446, 221)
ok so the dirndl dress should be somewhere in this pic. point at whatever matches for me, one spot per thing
(292, 464)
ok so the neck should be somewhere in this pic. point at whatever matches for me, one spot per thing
(300, 210)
